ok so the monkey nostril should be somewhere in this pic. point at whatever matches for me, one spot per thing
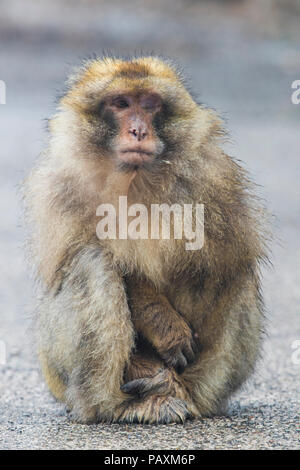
(139, 133)
(133, 132)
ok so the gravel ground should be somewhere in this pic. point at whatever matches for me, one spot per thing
(244, 74)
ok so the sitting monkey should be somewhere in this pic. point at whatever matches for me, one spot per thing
(142, 330)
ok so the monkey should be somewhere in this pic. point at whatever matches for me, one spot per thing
(142, 330)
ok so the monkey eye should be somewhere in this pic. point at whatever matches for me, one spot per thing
(120, 102)
(151, 102)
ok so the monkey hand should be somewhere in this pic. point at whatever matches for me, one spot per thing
(164, 328)
(178, 348)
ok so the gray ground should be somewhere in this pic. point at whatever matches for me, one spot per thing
(244, 74)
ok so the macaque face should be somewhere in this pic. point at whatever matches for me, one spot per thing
(132, 116)
(135, 115)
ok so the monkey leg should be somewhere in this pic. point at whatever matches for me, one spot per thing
(230, 337)
(53, 377)
(154, 317)
(85, 337)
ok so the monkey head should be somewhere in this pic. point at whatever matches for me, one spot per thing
(135, 113)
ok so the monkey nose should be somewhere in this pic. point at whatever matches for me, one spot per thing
(138, 133)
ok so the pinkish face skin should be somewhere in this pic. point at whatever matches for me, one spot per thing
(136, 142)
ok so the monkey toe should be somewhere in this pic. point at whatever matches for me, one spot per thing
(173, 410)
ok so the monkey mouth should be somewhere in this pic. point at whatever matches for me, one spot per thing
(136, 157)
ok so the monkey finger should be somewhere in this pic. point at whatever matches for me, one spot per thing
(195, 344)
(179, 363)
(188, 353)
(195, 347)
(143, 387)
(135, 387)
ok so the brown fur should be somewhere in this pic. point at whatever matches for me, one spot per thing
(143, 330)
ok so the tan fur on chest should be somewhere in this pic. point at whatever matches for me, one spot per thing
(148, 258)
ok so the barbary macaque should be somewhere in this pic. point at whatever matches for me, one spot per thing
(142, 329)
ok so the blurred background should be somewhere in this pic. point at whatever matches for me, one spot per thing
(240, 57)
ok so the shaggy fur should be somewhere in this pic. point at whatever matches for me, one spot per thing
(143, 330)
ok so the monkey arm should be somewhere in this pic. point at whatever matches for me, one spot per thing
(154, 317)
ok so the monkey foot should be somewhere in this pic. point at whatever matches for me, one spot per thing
(154, 410)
